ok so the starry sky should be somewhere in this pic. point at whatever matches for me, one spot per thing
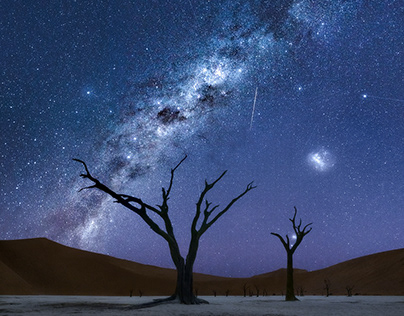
(304, 97)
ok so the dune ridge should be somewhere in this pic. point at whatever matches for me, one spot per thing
(43, 267)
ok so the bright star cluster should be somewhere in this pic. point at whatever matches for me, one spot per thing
(303, 97)
(321, 160)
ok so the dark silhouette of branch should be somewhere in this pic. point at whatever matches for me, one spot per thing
(126, 200)
(208, 212)
(298, 231)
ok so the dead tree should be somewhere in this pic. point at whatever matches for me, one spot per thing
(258, 290)
(327, 285)
(245, 288)
(300, 291)
(290, 250)
(349, 289)
(203, 215)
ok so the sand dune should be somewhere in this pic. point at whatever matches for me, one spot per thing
(40, 266)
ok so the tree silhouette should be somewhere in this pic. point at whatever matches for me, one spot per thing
(290, 250)
(245, 288)
(349, 289)
(204, 210)
(327, 285)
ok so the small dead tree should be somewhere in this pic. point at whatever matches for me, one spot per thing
(203, 215)
(327, 284)
(300, 291)
(258, 290)
(349, 289)
(245, 288)
(290, 250)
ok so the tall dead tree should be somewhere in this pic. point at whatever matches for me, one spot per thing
(290, 250)
(203, 215)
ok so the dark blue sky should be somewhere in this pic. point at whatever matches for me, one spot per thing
(132, 86)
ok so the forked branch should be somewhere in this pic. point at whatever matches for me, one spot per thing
(300, 233)
(297, 228)
(126, 200)
(206, 223)
(164, 206)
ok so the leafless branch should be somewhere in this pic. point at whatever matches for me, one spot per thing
(207, 188)
(172, 175)
(126, 200)
(284, 243)
(206, 224)
(298, 231)
(90, 187)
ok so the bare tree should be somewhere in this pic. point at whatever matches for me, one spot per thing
(349, 289)
(245, 288)
(290, 250)
(300, 291)
(327, 284)
(204, 210)
(258, 290)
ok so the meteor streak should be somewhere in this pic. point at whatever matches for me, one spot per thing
(253, 109)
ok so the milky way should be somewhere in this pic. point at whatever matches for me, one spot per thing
(273, 91)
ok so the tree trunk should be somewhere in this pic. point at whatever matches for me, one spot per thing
(290, 291)
(184, 291)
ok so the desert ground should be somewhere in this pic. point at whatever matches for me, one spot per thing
(232, 305)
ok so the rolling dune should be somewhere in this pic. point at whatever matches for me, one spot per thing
(43, 267)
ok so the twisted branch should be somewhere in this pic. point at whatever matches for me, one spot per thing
(298, 231)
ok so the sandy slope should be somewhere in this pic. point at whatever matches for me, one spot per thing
(41, 266)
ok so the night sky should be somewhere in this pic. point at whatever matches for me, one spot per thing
(305, 97)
